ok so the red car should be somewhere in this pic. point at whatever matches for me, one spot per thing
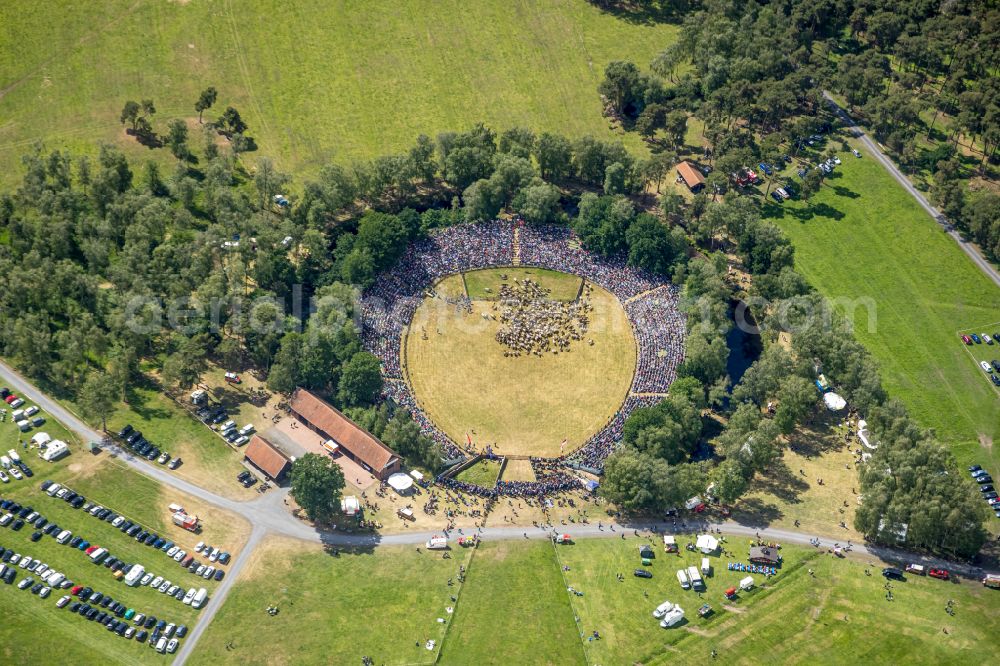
(938, 573)
(966, 339)
(76, 590)
(90, 550)
(9, 399)
(233, 378)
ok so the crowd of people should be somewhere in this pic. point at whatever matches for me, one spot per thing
(388, 306)
(659, 333)
(533, 323)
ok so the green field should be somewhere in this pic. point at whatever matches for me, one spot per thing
(316, 81)
(483, 473)
(514, 607)
(513, 610)
(485, 284)
(334, 610)
(863, 239)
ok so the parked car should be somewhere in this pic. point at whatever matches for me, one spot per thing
(986, 366)
(938, 573)
(232, 378)
(642, 573)
(975, 338)
(893, 572)
(175, 463)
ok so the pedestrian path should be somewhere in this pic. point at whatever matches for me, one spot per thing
(648, 395)
(642, 294)
(517, 247)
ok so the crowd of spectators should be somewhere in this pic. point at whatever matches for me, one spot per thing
(388, 306)
(659, 334)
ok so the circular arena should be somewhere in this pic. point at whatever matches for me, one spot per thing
(509, 340)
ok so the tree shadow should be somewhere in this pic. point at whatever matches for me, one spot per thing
(781, 482)
(649, 12)
(340, 545)
(842, 191)
(755, 512)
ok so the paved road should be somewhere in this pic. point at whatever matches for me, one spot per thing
(267, 515)
(876, 151)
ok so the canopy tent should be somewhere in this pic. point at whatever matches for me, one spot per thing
(350, 505)
(834, 402)
(417, 476)
(646, 551)
(707, 543)
(400, 482)
(590, 485)
(40, 438)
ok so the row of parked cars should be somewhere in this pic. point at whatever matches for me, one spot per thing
(90, 604)
(25, 419)
(143, 447)
(11, 465)
(988, 368)
(48, 578)
(227, 427)
(985, 482)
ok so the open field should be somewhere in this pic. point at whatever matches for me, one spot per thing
(328, 81)
(337, 608)
(484, 285)
(864, 242)
(513, 609)
(34, 630)
(528, 404)
(483, 473)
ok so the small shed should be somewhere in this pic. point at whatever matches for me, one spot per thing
(764, 555)
(690, 176)
(746, 583)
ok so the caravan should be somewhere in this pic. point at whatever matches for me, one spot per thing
(683, 579)
(696, 581)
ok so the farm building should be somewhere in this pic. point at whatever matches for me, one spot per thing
(348, 437)
(267, 457)
(688, 173)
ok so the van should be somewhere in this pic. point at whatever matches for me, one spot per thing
(53, 489)
(99, 554)
(683, 579)
(200, 598)
(5, 461)
(695, 577)
(706, 566)
(56, 579)
(64, 537)
(247, 429)
(134, 575)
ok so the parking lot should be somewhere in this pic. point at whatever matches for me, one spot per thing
(983, 347)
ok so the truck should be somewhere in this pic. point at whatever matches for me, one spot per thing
(183, 519)
(992, 580)
(695, 576)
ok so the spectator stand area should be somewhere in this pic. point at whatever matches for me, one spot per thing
(649, 301)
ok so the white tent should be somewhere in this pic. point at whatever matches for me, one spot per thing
(865, 436)
(707, 543)
(417, 476)
(40, 438)
(400, 482)
(834, 402)
(350, 506)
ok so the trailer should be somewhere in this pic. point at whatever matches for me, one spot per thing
(695, 576)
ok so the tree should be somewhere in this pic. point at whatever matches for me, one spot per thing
(97, 397)
(795, 399)
(811, 183)
(538, 203)
(554, 154)
(614, 179)
(231, 122)
(316, 486)
(130, 114)
(205, 100)
(623, 86)
(632, 480)
(360, 381)
(177, 135)
(730, 481)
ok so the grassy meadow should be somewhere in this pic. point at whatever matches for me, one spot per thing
(316, 81)
(528, 404)
(864, 241)
(484, 285)
(334, 610)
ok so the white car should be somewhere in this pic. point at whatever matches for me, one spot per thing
(4, 477)
(63, 601)
(44, 592)
(165, 586)
(172, 646)
(208, 573)
(62, 493)
(985, 366)
(145, 579)
(214, 557)
(662, 609)
(41, 569)
(15, 558)
(172, 591)
(189, 596)
(130, 632)
(836, 160)
(117, 522)
(987, 339)
(173, 551)
(856, 153)
(200, 570)
(26, 562)
(156, 582)
(161, 645)
(6, 519)
(179, 555)
(16, 473)
(30, 411)
(198, 546)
